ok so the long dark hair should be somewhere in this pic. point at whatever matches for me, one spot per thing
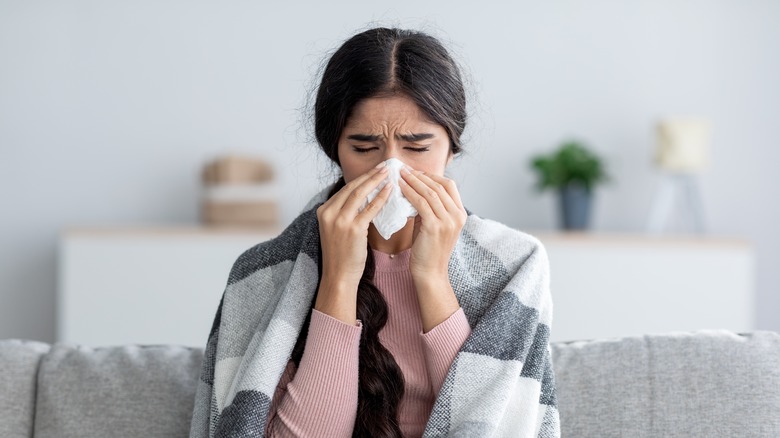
(375, 63)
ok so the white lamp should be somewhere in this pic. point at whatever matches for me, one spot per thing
(682, 150)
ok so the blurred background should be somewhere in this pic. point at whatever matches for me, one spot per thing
(110, 111)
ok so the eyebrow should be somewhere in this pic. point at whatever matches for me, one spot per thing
(404, 137)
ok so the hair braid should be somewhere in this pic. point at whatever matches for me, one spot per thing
(380, 380)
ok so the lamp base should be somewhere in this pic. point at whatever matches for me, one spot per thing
(671, 185)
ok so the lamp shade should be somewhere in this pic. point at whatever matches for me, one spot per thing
(683, 144)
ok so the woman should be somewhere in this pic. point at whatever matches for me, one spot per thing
(331, 330)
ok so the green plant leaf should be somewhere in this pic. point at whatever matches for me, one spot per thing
(571, 163)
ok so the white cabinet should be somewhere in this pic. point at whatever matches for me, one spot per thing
(163, 286)
(621, 285)
(145, 286)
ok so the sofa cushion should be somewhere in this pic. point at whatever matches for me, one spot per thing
(19, 361)
(123, 391)
(705, 383)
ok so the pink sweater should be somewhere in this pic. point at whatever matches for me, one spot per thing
(320, 398)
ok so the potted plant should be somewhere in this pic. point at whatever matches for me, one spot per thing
(573, 171)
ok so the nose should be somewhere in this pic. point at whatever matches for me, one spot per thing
(391, 150)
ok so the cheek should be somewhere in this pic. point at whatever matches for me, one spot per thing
(352, 167)
(348, 176)
(346, 165)
(430, 163)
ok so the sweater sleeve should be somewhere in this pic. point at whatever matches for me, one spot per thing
(321, 398)
(442, 344)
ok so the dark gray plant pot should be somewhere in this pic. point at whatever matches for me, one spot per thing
(575, 201)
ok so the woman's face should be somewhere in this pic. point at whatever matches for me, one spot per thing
(392, 127)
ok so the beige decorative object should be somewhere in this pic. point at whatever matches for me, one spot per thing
(240, 213)
(683, 144)
(239, 191)
(234, 169)
(683, 149)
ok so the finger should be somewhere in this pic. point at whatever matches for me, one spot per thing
(374, 207)
(417, 200)
(451, 188)
(430, 194)
(340, 198)
(444, 195)
(359, 196)
(417, 225)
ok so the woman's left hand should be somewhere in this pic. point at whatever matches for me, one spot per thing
(440, 217)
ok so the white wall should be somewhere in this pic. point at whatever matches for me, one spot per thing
(108, 109)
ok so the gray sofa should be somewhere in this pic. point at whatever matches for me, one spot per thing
(696, 384)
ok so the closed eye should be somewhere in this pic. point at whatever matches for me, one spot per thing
(423, 149)
(363, 150)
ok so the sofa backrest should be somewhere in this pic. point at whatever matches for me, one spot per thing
(19, 361)
(124, 391)
(693, 384)
(710, 383)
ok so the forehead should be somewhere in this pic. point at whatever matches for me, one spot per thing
(389, 112)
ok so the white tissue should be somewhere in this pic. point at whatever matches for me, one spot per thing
(393, 215)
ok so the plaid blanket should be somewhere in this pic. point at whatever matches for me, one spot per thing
(500, 384)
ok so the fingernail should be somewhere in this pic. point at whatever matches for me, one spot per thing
(406, 169)
(382, 164)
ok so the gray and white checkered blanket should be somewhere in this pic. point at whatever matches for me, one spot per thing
(500, 384)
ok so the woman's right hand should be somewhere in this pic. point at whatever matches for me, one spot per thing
(344, 242)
